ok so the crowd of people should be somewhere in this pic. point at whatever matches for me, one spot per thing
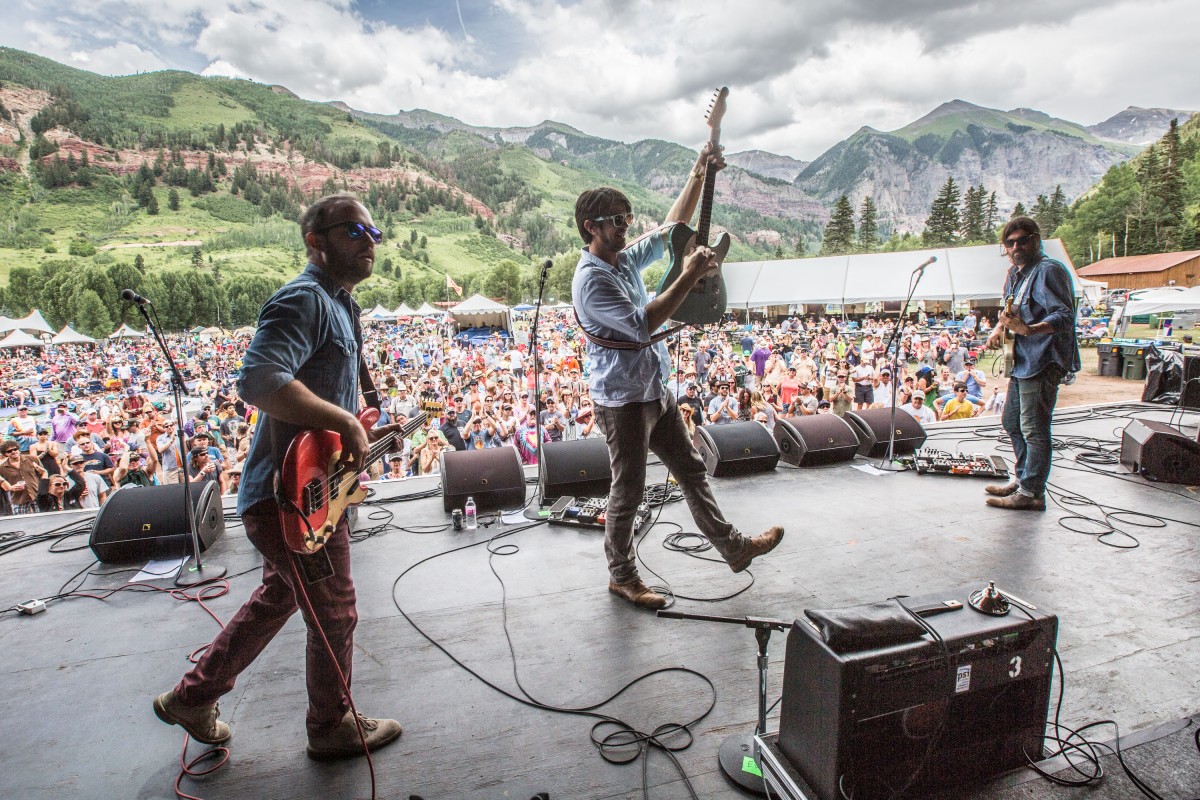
(86, 421)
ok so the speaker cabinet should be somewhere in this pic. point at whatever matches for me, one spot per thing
(736, 448)
(864, 724)
(578, 468)
(815, 439)
(873, 426)
(493, 477)
(139, 523)
(1158, 452)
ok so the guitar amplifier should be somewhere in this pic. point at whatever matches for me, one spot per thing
(920, 716)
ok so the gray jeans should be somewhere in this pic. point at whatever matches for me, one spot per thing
(656, 426)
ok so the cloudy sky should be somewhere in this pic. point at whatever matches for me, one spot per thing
(802, 74)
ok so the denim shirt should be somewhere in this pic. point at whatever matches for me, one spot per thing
(308, 331)
(1043, 294)
(611, 303)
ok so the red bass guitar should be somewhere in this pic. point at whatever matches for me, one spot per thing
(316, 493)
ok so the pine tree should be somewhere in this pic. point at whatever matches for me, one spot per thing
(197, 258)
(152, 206)
(1057, 211)
(991, 214)
(173, 199)
(868, 226)
(1018, 211)
(1169, 188)
(801, 248)
(972, 214)
(941, 228)
(778, 252)
(839, 233)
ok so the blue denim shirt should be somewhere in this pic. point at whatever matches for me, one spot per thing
(1043, 294)
(611, 303)
(307, 332)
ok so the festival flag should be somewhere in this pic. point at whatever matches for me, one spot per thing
(450, 284)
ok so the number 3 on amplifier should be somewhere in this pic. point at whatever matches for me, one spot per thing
(1016, 667)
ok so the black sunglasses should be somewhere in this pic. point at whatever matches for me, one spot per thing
(355, 230)
(1020, 241)
(618, 220)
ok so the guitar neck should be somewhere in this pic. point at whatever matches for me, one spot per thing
(706, 204)
(380, 448)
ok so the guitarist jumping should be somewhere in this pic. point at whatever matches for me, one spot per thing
(628, 374)
(302, 371)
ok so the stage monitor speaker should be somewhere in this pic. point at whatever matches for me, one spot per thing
(1158, 452)
(736, 448)
(139, 523)
(923, 715)
(493, 477)
(815, 439)
(578, 468)
(873, 424)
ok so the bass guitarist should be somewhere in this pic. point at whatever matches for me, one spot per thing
(628, 374)
(302, 371)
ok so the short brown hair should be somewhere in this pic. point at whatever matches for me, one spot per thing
(595, 202)
(1024, 224)
(315, 216)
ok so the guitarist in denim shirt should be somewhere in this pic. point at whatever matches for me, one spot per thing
(628, 374)
(301, 371)
(1044, 350)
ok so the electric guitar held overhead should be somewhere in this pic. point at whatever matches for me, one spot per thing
(706, 301)
(315, 493)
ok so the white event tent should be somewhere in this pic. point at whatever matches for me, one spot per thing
(69, 335)
(959, 274)
(403, 310)
(379, 314)
(477, 311)
(125, 332)
(33, 321)
(1164, 300)
(19, 339)
(427, 310)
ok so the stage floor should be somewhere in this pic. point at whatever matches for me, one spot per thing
(81, 676)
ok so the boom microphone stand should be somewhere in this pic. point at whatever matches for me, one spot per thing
(886, 462)
(199, 572)
(533, 511)
(739, 756)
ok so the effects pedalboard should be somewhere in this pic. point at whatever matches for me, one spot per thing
(588, 512)
(938, 462)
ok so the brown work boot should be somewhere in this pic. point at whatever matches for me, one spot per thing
(1002, 489)
(200, 722)
(1018, 501)
(638, 593)
(759, 545)
(344, 742)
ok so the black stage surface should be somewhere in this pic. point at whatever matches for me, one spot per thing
(80, 678)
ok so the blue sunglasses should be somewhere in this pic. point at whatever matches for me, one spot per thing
(356, 230)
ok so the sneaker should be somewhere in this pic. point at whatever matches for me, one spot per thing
(1002, 490)
(638, 593)
(344, 741)
(1019, 502)
(200, 722)
(759, 545)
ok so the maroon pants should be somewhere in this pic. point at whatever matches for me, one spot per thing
(257, 622)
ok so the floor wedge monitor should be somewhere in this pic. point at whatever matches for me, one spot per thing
(873, 426)
(139, 523)
(815, 439)
(578, 468)
(737, 448)
(1158, 452)
(493, 477)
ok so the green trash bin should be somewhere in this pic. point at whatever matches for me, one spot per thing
(1110, 359)
(1133, 358)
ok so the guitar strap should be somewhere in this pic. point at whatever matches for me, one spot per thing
(620, 344)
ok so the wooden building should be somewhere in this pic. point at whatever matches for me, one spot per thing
(1146, 272)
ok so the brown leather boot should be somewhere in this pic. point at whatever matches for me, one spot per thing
(759, 545)
(1002, 490)
(200, 722)
(1019, 502)
(344, 742)
(638, 593)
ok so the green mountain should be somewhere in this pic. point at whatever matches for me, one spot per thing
(1019, 154)
(186, 188)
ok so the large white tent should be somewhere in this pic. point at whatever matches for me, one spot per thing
(69, 335)
(125, 332)
(19, 339)
(378, 314)
(33, 321)
(403, 310)
(1164, 300)
(959, 274)
(427, 310)
(477, 311)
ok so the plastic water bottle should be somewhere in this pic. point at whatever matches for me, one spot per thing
(470, 514)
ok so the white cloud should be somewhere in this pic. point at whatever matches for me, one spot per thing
(801, 76)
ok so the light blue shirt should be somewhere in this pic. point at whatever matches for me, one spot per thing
(611, 303)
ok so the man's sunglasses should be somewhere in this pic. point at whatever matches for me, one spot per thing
(355, 230)
(1020, 241)
(618, 220)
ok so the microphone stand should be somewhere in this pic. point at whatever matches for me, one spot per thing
(739, 753)
(886, 463)
(533, 512)
(199, 572)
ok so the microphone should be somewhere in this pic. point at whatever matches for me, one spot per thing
(925, 264)
(129, 295)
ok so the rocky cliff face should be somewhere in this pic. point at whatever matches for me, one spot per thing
(1018, 154)
(769, 165)
(1139, 126)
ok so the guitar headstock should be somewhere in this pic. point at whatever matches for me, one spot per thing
(716, 110)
